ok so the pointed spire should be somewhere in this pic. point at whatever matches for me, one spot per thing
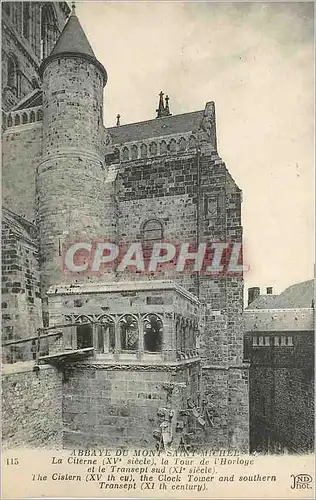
(167, 110)
(73, 42)
(161, 107)
(73, 38)
(118, 120)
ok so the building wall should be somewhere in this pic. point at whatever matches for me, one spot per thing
(117, 407)
(281, 391)
(31, 407)
(21, 153)
(71, 176)
(168, 189)
(25, 46)
(121, 391)
(21, 301)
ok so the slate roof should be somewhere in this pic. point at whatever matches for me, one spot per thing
(295, 296)
(168, 125)
(263, 302)
(298, 295)
(73, 39)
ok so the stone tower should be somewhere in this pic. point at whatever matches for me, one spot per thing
(73, 140)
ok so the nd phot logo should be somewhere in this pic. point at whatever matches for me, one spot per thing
(301, 482)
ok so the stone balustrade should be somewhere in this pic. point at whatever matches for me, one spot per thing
(24, 116)
(152, 148)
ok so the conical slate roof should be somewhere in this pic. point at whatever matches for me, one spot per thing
(73, 39)
(73, 42)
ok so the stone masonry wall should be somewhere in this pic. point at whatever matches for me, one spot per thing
(167, 189)
(195, 198)
(71, 175)
(117, 407)
(26, 51)
(26, 60)
(31, 406)
(281, 394)
(21, 151)
(21, 302)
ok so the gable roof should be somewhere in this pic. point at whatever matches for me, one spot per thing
(168, 125)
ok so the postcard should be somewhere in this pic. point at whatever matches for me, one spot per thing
(157, 249)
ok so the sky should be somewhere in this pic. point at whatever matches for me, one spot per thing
(256, 61)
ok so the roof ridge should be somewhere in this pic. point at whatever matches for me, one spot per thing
(156, 120)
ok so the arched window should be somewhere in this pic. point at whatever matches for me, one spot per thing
(153, 149)
(192, 142)
(26, 20)
(106, 335)
(163, 147)
(12, 74)
(152, 230)
(9, 121)
(32, 116)
(128, 327)
(143, 151)
(49, 29)
(125, 155)
(182, 144)
(39, 115)
(84, 332)
(172, 146)
(17, 120)
(134, 152)
(153, 330)
(24, 118)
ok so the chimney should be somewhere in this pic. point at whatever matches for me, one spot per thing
(269, 290)
(253, 293)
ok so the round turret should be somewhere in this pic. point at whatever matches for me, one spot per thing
(70, 178)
